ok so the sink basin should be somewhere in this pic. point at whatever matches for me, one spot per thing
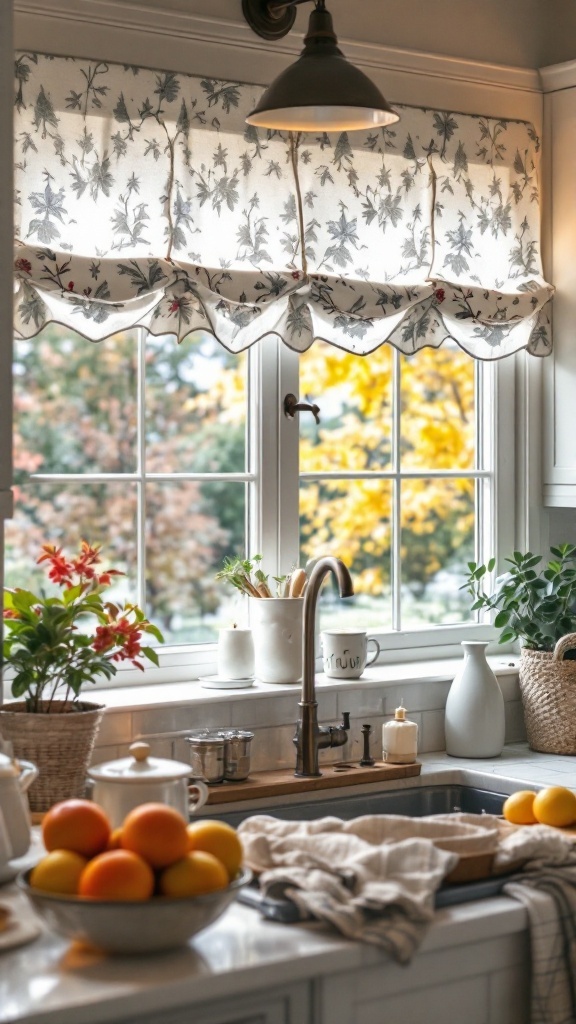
(440, 798)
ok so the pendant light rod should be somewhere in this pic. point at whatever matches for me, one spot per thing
(279, 5)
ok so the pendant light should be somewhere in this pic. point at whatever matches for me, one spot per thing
(321, 91)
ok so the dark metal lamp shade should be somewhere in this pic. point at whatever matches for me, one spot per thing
(322, 91)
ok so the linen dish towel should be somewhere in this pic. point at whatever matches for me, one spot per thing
(546, 886)
(373, 878)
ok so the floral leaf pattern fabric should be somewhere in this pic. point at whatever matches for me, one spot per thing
(143, 198)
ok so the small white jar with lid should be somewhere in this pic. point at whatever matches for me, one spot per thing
(400, 739)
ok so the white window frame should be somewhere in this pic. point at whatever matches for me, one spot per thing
(272, 475)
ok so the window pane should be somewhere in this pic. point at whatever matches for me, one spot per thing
(65, 514)
(437, 541)
(350, 519)
(74, 404)
(437, 427)
(196, 395)
(190, 527)
(355, 396)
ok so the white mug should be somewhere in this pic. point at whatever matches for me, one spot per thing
(345, 652)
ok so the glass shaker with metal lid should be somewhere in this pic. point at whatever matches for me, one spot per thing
(207, 755)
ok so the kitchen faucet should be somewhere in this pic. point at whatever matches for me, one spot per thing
(310, 736)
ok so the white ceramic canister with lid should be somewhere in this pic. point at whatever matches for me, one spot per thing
(400, 739)
(121, 785)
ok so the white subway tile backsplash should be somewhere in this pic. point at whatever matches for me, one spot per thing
(510, 687)
(359, 702)
(428, 696)
(103, 753)
(515, 725)
(272, 748)
(211, 715)
(269, 711)
(115, 727)
(273, 715)
(432, 734)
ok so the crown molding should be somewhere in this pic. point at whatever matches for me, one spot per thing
(558, 76)
(148, 19)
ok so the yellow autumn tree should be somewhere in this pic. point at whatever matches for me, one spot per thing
(352, 517)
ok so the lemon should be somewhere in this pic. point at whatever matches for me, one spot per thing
(518, 808)
(555, 805)
(59, 871)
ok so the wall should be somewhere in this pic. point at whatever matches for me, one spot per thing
(206, 37)
(6, 257)
(523, 33)
(186, 706)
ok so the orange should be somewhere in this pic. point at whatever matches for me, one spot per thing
(196, 874)
(114, 839)
(156, 832)
(78, 825)
(221, 840)
(555, 805)
(59, 871)
(518, 808)
(117, 875)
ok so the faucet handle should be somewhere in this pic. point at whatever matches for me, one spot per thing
(367, 761)
(345, 720)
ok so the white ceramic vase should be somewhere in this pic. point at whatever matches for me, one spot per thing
(277, 625)
(475, 707)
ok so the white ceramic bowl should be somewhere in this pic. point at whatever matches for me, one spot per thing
(150, 926)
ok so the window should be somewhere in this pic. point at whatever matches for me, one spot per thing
(173, 456)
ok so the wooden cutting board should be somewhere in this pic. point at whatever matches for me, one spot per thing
(281, 783)
(475, 867)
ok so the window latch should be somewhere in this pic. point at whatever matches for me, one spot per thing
(292, 406)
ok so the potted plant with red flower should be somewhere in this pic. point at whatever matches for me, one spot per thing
(54, 646)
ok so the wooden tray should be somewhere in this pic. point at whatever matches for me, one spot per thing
(281, 783)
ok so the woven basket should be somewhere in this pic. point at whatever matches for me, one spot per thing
(59, 743)
(548, 689)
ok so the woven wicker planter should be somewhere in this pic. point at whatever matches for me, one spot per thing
(548, 689)
(59, 743)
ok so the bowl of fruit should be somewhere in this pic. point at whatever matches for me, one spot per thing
(147, 886)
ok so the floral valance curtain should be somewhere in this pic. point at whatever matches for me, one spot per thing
(143, 198)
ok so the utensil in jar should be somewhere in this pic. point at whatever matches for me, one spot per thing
(119, 786)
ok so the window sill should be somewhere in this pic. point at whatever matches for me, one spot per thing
(168, 694)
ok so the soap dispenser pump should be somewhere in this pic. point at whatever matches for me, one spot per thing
(400, 739)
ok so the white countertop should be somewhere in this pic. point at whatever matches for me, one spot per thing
(52, 982)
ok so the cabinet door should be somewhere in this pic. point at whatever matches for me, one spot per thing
(278, 1006)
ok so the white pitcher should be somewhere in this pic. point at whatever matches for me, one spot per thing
(15, 778)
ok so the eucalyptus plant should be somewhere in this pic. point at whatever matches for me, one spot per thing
(535, 606)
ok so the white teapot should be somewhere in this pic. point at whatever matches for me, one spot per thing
(118, 786)
(15, 778)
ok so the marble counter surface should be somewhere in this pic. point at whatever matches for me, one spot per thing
(52, 982)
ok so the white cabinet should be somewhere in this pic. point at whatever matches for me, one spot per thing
(290, 1005)
(559, 470)
(484, 982)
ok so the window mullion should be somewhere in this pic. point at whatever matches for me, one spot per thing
(396, 509)
(288, 457)
(141, 469)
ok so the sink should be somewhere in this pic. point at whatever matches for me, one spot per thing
(439, 798)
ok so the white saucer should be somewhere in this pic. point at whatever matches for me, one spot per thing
(221, 683)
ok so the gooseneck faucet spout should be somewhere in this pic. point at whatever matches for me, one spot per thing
(310, 737)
